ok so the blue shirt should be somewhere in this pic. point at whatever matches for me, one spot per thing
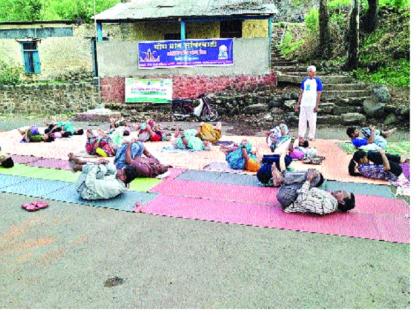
(358, 142)
(137, 149)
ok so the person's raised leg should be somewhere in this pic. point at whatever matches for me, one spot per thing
(388, 133)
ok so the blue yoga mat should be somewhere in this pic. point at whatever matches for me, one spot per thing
(35, 187)
(220, 177)
(360, 188)
(9, 180)
(124, 202)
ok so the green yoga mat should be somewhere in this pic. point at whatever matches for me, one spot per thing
(143, 184)
(139, 184)
(400, 148)
(40, 173)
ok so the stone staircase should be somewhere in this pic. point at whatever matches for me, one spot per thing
(342, 94)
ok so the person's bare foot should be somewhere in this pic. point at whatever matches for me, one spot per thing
(71, 156)
(389, 132)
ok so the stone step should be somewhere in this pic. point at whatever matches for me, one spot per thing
(334, 94)
(330, 79)
(345, 86)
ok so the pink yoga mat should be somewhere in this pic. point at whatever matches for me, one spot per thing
(214, 191)
(387, 226)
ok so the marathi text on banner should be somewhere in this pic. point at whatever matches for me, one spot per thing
(187, 53)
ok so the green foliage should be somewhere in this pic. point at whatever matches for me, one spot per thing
(32, 10)
(9, 74)
(289, 46)
(312, 20)
(395, 74)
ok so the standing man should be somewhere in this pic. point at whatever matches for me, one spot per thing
(309, 99)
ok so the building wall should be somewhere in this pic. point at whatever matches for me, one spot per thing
(120, 58)
(59, 55)
(254, 28)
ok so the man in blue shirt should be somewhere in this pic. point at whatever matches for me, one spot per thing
(367, 136)
(309, 99)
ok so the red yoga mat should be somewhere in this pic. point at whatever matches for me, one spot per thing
(388, 223)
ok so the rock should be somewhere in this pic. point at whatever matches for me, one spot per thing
(405, 111)
(391, 119)
(373, 109)
(291, 119)
(289, 104)
(327, 108)
(338, 110)
(256, 108)
(353, 119)
(275, 102)
(276, 110)
(328, 119)
(268, 117)
(294, 96)
(390, 108)
(381, 93)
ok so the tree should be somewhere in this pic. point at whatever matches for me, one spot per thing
(370, 19)
(324, 31)
(353, 37)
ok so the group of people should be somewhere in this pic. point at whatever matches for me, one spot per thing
(297, 191)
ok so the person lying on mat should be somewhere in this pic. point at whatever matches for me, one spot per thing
(278, 139)
(271, 165)
(6, 160)
(33, 135)
(369, 138)
(101, 180)
(101, 143)
(375, 165)
(151, 131)
(290, 182)
(241, 157)
(314, 200)
(146, 166)
(188, 140)
(62, 129)
(301, 150)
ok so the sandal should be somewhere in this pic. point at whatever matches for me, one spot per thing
(34, 206)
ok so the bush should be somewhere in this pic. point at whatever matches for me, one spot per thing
(396, 74)
(9, 74)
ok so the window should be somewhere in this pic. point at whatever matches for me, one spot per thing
(173, 36)
(31, 57)
(231, 29)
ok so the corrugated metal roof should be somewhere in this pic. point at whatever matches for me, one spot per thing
(158, 9)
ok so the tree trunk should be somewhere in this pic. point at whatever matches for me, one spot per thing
(324, 31)
(370, 19)
(353, 37)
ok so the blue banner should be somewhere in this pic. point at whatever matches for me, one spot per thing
(187, 53)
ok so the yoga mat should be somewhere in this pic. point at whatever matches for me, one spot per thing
(124, 202)
(219, 177)
(143, 184)
(335, 166)
(216, 191)
(223, 167)
(359, 188)
(40, 173)
(406, 170)
(400, 148)
(35, 187)
(9, 180)
(51, 163)
(24, 159)
(354, 224)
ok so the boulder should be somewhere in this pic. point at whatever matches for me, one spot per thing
(275, 102)
(353, 119)
(268, 117)
(373, 109)
(381, 94)
(328, 119)
(289, 104)
(256, 108)
(338, 110)
(391, 108)
(276, 110)
(391, 119)
(327, 108)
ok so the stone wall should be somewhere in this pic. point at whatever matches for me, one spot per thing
(48, 98)
(113, 88)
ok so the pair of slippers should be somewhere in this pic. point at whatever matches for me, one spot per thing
(34, 206)
(316, 160)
